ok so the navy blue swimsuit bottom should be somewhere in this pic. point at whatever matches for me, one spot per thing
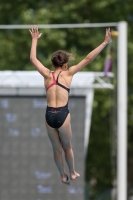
(55, 117)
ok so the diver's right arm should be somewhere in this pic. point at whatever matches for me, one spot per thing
(39, 66)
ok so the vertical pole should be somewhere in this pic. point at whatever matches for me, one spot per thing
(122, 112)
(88, 116)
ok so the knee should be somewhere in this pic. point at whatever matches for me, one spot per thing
(57, 150)
(67, 147)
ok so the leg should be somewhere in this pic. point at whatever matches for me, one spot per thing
(65, 134)
(57, 151)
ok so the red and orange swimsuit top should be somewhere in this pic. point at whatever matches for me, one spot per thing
(55, 82)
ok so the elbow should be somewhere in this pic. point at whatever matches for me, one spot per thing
(88, 59)
(32, 59)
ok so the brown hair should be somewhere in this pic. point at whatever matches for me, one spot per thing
(59, 58)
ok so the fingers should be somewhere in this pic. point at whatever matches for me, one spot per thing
(30, 31)
(107, 31)
(40, 35)
(34, 29)
(34, 32)
(108, 35)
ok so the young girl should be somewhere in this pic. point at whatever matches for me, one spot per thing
(57, 84)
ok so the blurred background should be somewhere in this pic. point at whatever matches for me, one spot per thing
(100, 166)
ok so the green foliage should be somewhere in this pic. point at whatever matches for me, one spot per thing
(15, 50)
(77, 41)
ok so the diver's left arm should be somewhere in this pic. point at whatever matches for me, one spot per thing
(92, 55)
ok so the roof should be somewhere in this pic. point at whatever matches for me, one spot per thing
(18, 80)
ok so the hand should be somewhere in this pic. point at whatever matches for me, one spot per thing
(34, 33)
(107, 36)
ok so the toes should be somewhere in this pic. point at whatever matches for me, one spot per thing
(67, 183)
(74, 176)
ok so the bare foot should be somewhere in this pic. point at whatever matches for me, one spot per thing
(74, 175)
(65, 179)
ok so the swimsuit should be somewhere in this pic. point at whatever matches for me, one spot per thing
(55, 117)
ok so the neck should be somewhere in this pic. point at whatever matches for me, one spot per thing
(63, 68)
(60, 69)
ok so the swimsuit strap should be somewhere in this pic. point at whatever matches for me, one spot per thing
(61, 84)
(58, 76)
(54, 82)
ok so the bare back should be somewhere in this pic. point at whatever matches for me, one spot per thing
(56, 95)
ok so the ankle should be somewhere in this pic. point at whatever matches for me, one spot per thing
(63, 175)
(72, 171)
